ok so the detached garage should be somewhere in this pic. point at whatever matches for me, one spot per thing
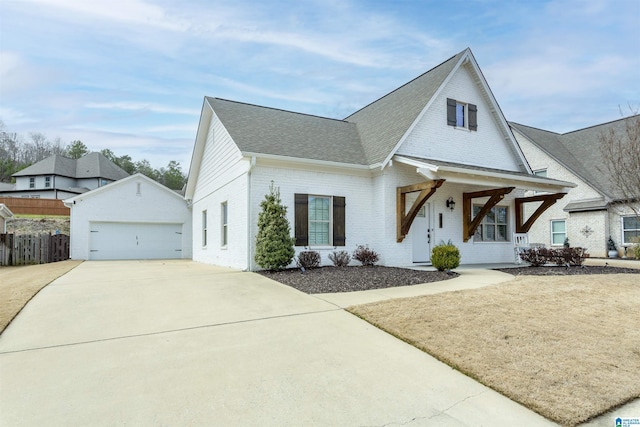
(133, 218)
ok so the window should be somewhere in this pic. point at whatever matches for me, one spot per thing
(494, 225)
(558, 232)
(319, 220)
(32, 183)
(630, 230)
(462, 115)
(47, 182)
(204, 228)
(223, 217)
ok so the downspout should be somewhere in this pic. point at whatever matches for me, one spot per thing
(252, 164)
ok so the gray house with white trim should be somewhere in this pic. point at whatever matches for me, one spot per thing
(59, 177)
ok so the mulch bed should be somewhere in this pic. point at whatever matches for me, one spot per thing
(570, 271)
(349, 279)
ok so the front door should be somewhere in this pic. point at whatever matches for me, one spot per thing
(421, 236)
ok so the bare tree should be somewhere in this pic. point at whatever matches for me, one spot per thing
(621, 159)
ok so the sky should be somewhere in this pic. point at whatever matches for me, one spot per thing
(131, 75)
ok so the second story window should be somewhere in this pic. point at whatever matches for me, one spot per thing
(32, 183)
(462, 115)
(47, 182)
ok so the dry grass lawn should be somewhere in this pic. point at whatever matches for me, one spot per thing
(566, 347)
(20, 283)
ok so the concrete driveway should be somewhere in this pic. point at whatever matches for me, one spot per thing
(172, 343)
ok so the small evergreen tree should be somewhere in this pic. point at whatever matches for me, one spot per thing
(274, 244)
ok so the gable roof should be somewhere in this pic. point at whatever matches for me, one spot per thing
(367, 138)
(265, 130)
(113, 185)
(578, 151)
(385, 121)
(91, 165)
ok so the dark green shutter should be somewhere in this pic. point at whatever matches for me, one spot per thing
(473, 117)
(302, 219)
(339, 232)
(451, 112)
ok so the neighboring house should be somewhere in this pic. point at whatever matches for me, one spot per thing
(5, 213)
(59, 177)
(133, 218)
(591, 212)
(433, 161)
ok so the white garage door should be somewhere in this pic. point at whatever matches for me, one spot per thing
(129, 240)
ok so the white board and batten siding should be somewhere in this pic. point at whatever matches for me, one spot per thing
(133, 218)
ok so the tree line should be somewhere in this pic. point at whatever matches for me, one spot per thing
(18, 152)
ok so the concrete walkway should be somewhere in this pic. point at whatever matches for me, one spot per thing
(180, 343)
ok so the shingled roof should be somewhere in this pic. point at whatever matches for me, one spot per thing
(384, 122)
(265, 130)
(91, 165)
(578, 151)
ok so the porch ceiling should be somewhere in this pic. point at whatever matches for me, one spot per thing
(462, 174)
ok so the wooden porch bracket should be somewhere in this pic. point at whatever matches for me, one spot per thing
(469, 224)
(403, 222)
(547, 200)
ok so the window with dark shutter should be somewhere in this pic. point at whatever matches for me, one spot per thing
(339, 235)
(301, 226)
(451, 112)
(473, 117)
(301, 214)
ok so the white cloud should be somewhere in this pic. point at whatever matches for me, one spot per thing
(144, 107)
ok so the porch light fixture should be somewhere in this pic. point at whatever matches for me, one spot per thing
(451, 203)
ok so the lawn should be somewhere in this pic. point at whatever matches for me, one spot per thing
(21, 283)
(567, 347)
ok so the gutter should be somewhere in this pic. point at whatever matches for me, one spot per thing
(252, 164)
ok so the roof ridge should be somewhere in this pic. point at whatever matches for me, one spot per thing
(405, 84)
(602, 124)
(277, 109)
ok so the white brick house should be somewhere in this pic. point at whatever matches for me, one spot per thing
(384, 176)
(591, 211)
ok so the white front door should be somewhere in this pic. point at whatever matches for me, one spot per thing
(421, 236)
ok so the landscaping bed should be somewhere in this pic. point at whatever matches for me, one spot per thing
(568, 271)
(349, 279)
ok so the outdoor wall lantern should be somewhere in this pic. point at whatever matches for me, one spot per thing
(450, 203)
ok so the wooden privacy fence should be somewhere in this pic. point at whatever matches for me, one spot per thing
(33, 249)
(26, 206)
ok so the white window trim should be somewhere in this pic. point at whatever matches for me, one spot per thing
(465, 115)
(321, 245)
(508, 225)
(204, 229)
(224, 224)
(551, 233)
(622, 229)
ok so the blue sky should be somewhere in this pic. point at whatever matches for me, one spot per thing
(130, 75)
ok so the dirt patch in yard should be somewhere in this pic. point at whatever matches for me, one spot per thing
(349, 279)
(38, 225)
(567, 346)
(21, 283)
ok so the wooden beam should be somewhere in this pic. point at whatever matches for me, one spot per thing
(547, 200)
(469, 224)
(403, 222)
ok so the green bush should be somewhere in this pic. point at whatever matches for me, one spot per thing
(445, 256)
(274, 244)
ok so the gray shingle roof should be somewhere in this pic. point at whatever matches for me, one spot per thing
(383, 122)
(265, 130)
(578, 151)
(92, 165)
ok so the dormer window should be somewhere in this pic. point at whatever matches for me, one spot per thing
(462, 115)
